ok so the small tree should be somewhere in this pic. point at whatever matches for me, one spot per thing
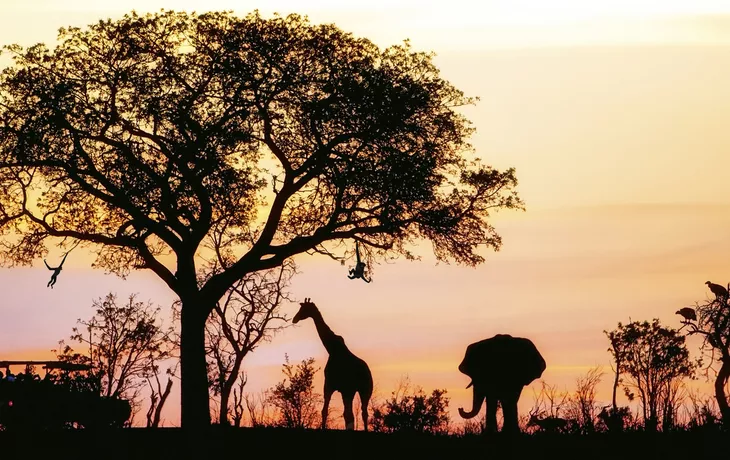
(295, 397)
(239, 400)
(655, 358)
(412, 410)
(713, 325)
(159, 395)
(671, 401)
(582, 407)
(125, 346)
(247, 316)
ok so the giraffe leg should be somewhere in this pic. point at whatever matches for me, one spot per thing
(347, 399)
(364, 401)
(326, 405)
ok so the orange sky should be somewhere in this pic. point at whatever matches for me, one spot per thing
(615, 120)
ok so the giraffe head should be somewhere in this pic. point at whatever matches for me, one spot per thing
(306, 310)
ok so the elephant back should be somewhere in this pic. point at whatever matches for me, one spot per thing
(503, 359)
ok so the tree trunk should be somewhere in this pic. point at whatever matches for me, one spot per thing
(223, 415)
(161, 404)
(227, 388)
(194, 397)
(615, 387)
(720, 382)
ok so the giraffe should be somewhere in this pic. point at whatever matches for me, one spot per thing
(344, 372)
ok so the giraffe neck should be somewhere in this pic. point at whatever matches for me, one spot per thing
(326, 335)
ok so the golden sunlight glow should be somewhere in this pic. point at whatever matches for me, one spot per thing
(458, 24)
(619, 149)
(487, 12)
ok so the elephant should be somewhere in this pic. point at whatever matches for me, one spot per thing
(500, 367)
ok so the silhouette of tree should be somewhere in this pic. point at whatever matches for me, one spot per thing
(239, 400)
(159, 395)
(581, 405)
(585, 399)
(412, 410)
(143, 137)
(618, 354)
(654, 358)
(246, 316)
(296, 399)
(713, 325)
(671, 402)
(126, 343)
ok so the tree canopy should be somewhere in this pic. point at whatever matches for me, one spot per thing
(654, 358)
(205, 147)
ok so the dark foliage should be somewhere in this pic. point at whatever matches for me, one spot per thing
(295, 398)
(655, 358)
(414, 412)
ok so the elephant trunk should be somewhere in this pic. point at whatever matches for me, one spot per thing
(476, 404)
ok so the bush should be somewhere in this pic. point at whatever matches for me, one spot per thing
(413, 412)
(296, 399)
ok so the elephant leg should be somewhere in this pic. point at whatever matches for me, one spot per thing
(509, 410)
(347, 400)
(491, 420)
(326, 405)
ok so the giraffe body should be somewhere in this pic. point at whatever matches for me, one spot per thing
(344, 372)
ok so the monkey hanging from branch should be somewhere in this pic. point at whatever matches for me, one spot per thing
(57, 270)
(359, 270)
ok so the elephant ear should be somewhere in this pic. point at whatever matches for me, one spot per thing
(467, 365)
(478, 355)
(534, 363)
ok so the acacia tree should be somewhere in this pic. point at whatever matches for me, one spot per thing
(246, 316)
(144, 137)
(712, 323)
(654, 359)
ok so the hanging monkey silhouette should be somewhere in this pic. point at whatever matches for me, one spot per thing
(55, 271)
(359, 270)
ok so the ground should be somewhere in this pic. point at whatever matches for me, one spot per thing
(274, 443)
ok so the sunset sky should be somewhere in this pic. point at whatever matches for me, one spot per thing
(614, 115)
